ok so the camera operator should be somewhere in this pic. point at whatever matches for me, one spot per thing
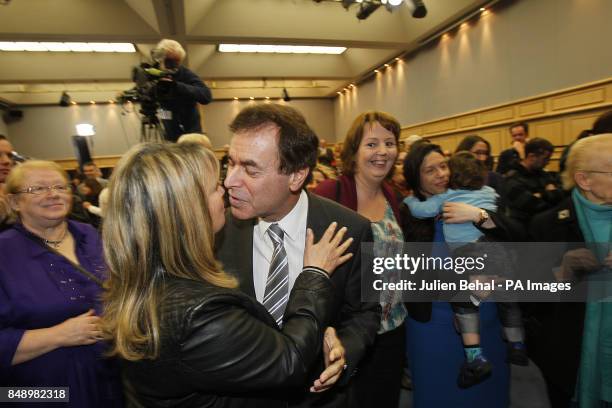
(179, 92)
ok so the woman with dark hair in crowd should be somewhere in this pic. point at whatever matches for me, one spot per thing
(481, 148)
(435, 349)
(75, 181)
(570, 342)
(188, 337)
(91, 190)
(467, 185)
(368, 157)
(603, 124)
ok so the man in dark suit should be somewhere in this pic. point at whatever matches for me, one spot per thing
(270, 159)
(528, 188)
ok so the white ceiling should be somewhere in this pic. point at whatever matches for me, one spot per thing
(200, 25)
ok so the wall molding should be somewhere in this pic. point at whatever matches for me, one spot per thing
(592, 95)
(558, 116)
(102, 162)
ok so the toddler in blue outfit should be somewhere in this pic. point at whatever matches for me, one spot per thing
(484, 198)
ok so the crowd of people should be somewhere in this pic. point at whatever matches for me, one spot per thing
(144, 290)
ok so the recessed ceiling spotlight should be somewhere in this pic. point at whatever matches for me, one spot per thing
(235, 98)
(387, 65)
(483, 9)
(73, 102)
(398, 59)
(111, 101)
(251, 98)
(267, 98)
(92, 102)
(376, 71)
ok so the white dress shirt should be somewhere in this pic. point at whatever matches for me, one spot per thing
(294, 241)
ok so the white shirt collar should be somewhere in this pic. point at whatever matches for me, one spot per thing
(293, 224)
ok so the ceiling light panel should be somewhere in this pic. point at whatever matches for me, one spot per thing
(280, 49)
(67, 47)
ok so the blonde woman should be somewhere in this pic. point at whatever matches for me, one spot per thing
(51, 269)
(196, 138)
(187, 336)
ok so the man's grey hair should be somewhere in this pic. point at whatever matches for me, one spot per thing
(172, 47)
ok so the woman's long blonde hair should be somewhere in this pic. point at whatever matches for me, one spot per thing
(157, 225)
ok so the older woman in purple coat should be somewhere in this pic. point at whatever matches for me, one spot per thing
(50, 275)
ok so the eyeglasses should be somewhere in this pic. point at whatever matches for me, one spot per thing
(40, 190)
(598, 172)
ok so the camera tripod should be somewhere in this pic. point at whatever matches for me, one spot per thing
(151, 129)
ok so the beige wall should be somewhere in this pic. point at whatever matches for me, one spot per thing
(319, 114)
(525, 48)
(45, 132)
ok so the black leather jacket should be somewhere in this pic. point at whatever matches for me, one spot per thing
(220, 348)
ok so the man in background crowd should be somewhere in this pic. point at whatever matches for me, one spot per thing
(510, 158)
(529, 189)
(91, 171)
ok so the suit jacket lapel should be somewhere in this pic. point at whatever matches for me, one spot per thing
(240, 234)
(315, 218)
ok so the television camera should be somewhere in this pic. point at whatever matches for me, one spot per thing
(151, 85)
